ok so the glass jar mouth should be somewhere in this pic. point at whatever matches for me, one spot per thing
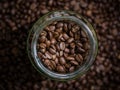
(45, 21)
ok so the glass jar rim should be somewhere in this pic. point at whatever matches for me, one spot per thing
(57, 16)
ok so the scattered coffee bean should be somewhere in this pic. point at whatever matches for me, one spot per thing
(16, 71)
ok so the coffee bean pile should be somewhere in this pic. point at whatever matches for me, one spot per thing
(18, 16)
(63, 46)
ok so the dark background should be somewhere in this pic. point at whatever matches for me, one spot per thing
(16, 20)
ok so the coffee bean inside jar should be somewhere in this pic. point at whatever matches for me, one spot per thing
(63, 46)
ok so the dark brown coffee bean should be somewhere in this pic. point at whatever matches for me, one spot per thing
(48, 43)
(39, 54)
(52, 28)
(42, 45)
(70, 58)
(59, 25)
(67, 65)
(72, 69)
(56, 61)
(50, 35)
(72, 45)
(59, 30)
(74, 62)
(79, 45)
(43, 39)
(43, 50)
(65, 55)
(53, 64)
(71, 34)
(83, 34)
(49, 67)
(52, 51)
(79, 58)
(54, 57)
(65, 36)
(47, 62)
(58, 47)
(61, 53)
(57, 54)
(62, 39)
(81, 50)
(53, 41)
(60, 69)
(72, 51)
(59, 38)
(65, 27)
(62, 60)
(43, 33)
(62, 45)
(48, 55)
(86, 46)
(56, 34)
(70, 40)
(67, 50)
(75, 29)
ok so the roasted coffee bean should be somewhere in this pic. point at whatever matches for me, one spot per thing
(42, 39)
(67, 50)
(53, 46)
(83, 34)
(53, 41)
(62, 45)
(70, 58)
(72, 51)
(48, 55)
(62, 60)
(61, 69)
(42, 45)
(61, 53)
(56, 61)
(59, 25)
(59, 30)
(57, 54)
(54, 57)
(52, 28)
(72, 69)
(79, 58)
(71, 34)
(50, 35)
(70, 40)
(56, 34)
(81, 50)
(43, 50)
(58, 47)
(43, 33)
(47, 62)
(67, 65)
(65, 36)
(102, 14)
(39, 54)
(53, 51)
(53, 64)
(74, 62)
(48, 43)
(72, 45)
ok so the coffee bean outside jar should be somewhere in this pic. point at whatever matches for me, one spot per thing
(36, 56)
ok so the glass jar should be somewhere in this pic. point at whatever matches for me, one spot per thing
(45, 21)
